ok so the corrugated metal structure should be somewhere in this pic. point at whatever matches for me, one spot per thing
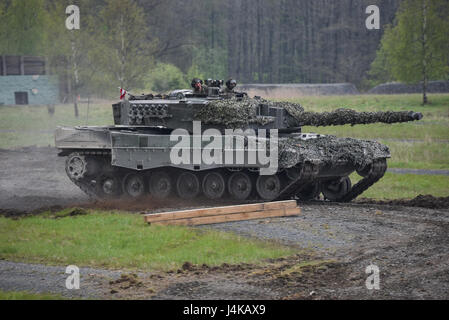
(24, 80)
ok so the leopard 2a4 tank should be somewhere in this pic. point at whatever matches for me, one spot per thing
(135, 156)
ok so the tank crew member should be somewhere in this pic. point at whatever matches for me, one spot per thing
(229, 90)
(230, 85)
(198, 87)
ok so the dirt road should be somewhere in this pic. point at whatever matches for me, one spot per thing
(31, 178)
(337, 242)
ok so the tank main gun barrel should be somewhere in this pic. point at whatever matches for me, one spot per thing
(352, 117)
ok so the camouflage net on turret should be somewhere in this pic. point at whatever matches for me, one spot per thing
(232, 113)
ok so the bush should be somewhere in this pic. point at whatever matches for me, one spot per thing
(165, 77)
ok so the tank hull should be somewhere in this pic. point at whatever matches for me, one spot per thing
(102, 160)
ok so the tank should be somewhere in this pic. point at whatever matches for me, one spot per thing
(214, 143)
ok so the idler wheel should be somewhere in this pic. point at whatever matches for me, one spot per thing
(76, 166)
(310, 192)
(133, 185)
(268, 187)
(239, 186)
(109, 186)
(160, 185)
(335, 189)
(214, 185)
(188, 185)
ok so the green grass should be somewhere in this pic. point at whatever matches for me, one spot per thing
(418, 155)
(397, 186)
(408, 130)
(119, 240)
(434, 125)
(22, 295)
(33, 125)
(438, 106)
(37, 117)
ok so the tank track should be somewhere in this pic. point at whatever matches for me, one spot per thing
(377, 172)
(308, 174)
(87, 184)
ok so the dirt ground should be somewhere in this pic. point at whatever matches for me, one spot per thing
(408, 243)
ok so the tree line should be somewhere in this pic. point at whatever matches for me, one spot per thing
(161, 44)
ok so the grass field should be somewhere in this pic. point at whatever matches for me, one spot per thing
(21, 295)
(397, 186)
(418, 155)
(120, 240)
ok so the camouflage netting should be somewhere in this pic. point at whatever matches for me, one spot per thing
(330, 150)
(232, 113)
(347, 116)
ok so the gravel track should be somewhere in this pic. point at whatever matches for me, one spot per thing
(16, 276)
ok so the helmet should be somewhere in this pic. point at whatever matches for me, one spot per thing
(231, 84)
(196, 83)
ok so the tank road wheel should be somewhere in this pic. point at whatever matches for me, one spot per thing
(133, 185)
(240, 186)
(109, 186)
(214, 185)
(188, 185)
(76, 166)
(160, 185)
(268, 187)
(335, 189)
(310, 192)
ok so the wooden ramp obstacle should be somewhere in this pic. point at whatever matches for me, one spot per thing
(225, 214)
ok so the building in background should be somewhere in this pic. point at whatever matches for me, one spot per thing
(24, 80)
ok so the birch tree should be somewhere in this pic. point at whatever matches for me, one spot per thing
(68, 50)
(126, 53)
(416, 48)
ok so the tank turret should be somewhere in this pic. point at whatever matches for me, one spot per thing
(223, 112)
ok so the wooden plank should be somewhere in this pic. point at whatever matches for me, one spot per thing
(172, 215)
(232, 217)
